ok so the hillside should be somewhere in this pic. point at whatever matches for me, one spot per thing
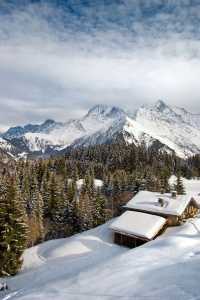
(90, 266)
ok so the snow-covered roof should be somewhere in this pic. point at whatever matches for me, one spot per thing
(138, 224)
(149, 202)
(196, 198)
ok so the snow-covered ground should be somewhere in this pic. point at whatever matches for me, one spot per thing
(189, 185)
(90, 266)
(98, 183)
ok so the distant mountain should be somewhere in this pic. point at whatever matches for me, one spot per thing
(19, 131)
(53, 136)
(170, 129)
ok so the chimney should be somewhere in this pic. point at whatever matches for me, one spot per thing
(174, 194)
(161, 202)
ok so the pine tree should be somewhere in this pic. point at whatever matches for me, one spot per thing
(25, 190)
(33, 190)
(179, 185)
(12, 228)
(54, 197)
(85, 210)
(57, 209)
(45, 193)
(73, 214)
(39, 216)
(164, 181)
(99, 208)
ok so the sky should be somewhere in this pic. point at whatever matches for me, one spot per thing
(60, 58)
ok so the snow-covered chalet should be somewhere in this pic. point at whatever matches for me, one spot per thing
(149, 213)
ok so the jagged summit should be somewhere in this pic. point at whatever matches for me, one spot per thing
(160, 105)
(105, 111)
(19, 131)
(48, 122)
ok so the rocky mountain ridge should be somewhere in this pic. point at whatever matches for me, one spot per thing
(173, 128)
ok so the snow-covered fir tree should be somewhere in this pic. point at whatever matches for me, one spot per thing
(13, 230)
(179, 185)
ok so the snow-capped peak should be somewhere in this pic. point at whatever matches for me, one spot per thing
(171, 127)
(101, 111)
(160, 106)
(48, 124)
(19, 131)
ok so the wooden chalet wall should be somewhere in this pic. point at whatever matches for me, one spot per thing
(128, 240)
(190, 212)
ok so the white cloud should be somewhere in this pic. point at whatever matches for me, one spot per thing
(59, 71)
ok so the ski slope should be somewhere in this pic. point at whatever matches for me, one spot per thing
(89, 266)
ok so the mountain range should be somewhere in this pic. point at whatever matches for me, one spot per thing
(172, 129)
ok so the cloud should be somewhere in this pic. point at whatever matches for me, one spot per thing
(56, 61)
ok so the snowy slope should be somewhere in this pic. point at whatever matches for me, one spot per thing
(19, 131)
(8, 148)
(58, 136)
(90, 266)
(136, 133)
(4, 145)
(62, 260)
(170, 128)
(187, 117)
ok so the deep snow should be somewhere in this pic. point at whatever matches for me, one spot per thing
(90, 266)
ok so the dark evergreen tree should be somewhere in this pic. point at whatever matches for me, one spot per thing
(179, 185)
(39, 216)
(164, 181)
(99, 208)
(12, 228)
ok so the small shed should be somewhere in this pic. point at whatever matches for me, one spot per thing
(133, 228)
(175, 208)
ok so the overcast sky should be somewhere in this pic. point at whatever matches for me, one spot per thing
(59, 59)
